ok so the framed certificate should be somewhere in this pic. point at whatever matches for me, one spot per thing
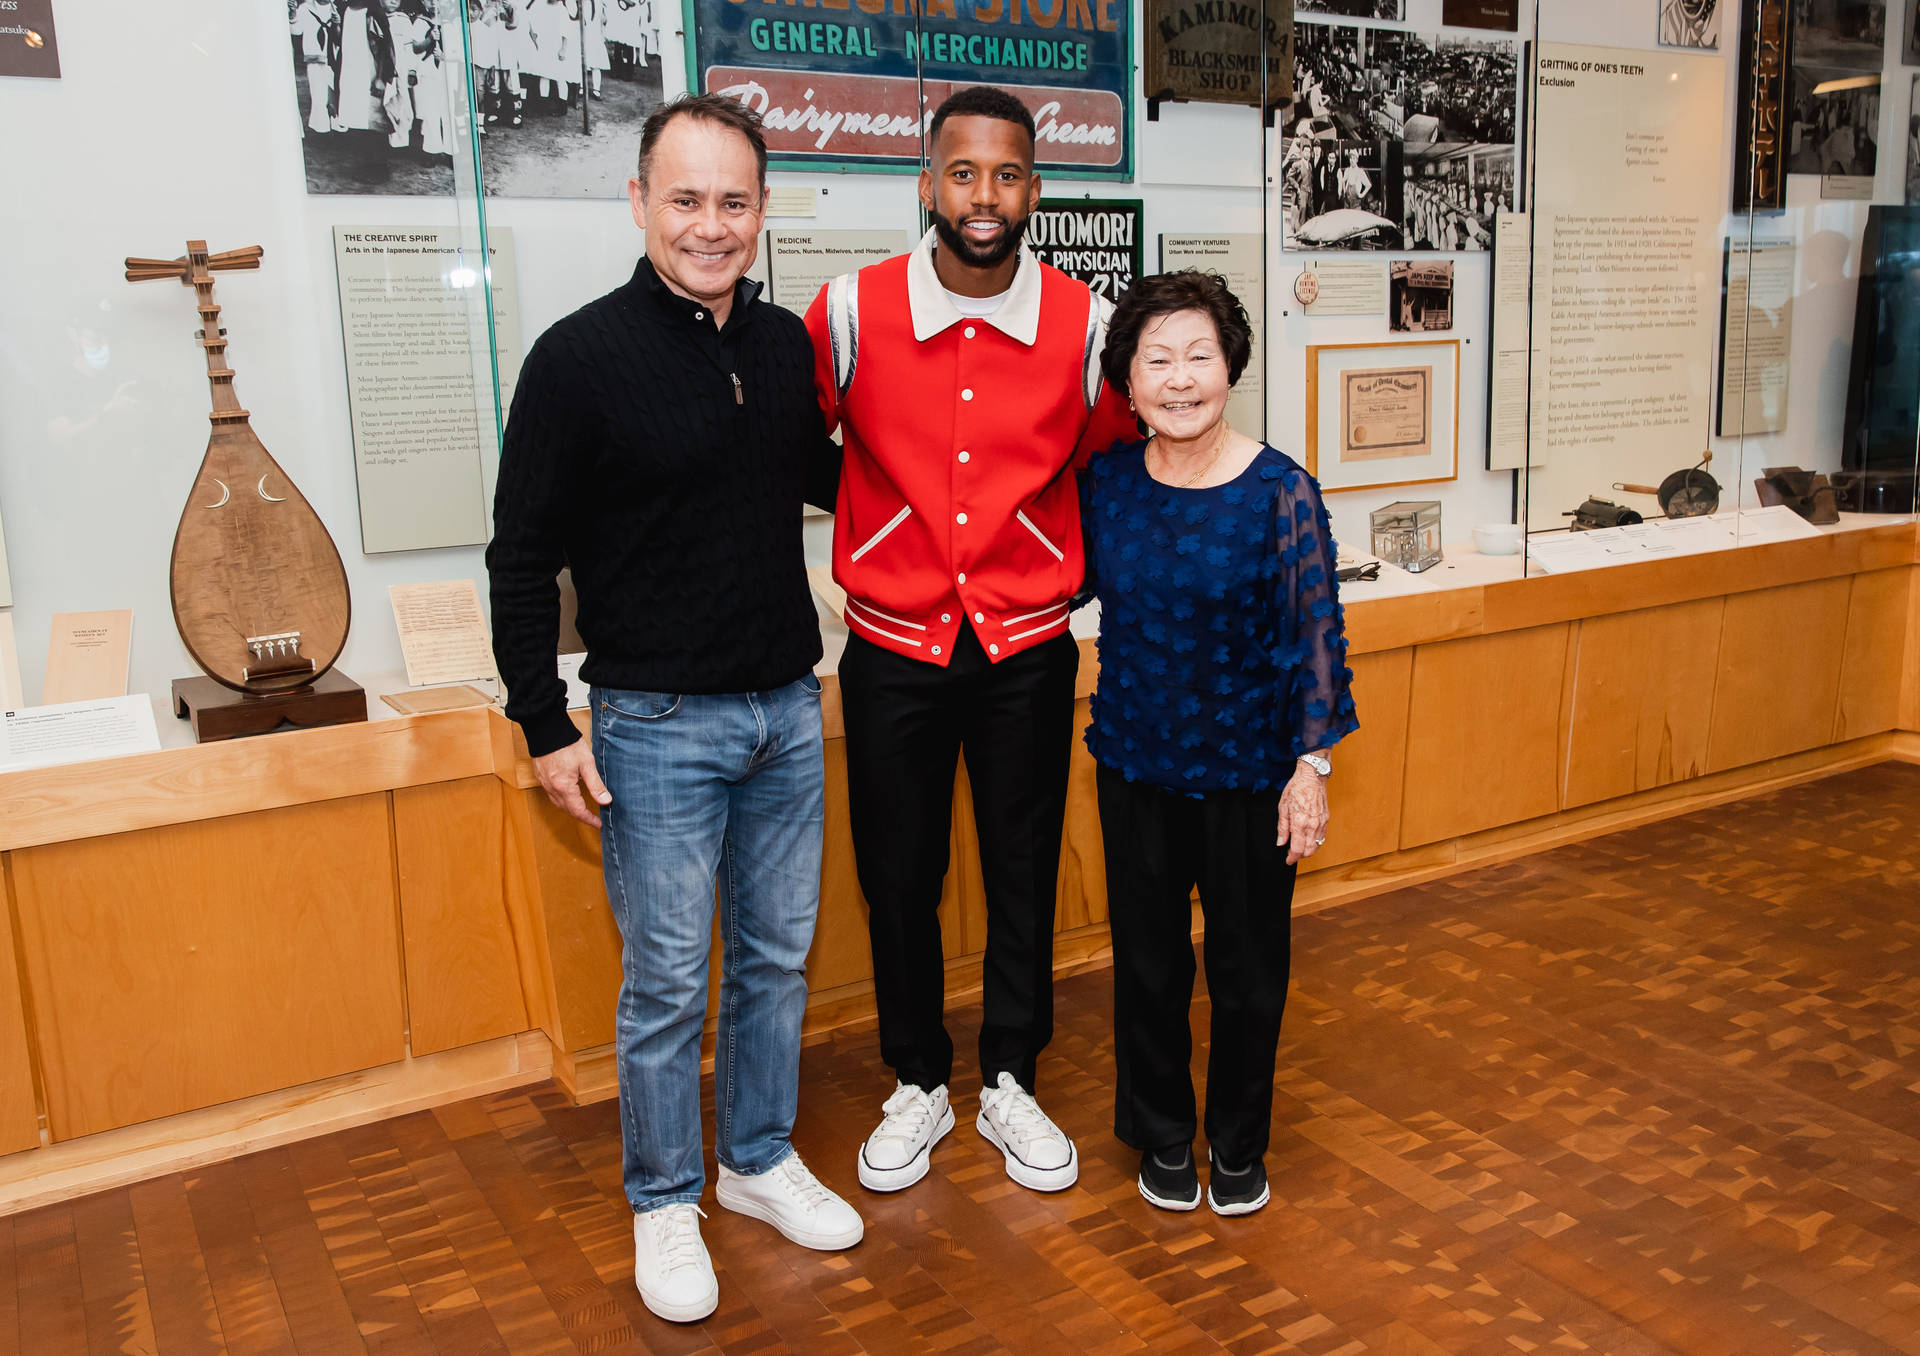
(1383, 414)
(1386, 413)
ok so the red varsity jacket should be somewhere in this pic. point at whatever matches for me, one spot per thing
(957, 498)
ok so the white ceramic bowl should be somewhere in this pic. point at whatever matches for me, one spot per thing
(1497, 539)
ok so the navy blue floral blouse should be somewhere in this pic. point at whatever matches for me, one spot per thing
(1222, 654)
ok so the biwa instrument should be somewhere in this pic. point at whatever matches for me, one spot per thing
(259, 593)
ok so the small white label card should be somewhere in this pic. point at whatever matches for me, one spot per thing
(793, 200)
(74, 732)
(1349, 287)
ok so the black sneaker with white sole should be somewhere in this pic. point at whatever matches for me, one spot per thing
(1236, 1193)
(1170, 1179)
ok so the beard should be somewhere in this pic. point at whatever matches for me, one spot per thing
(972, 252)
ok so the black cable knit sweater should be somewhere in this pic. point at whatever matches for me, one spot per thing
(666, 461)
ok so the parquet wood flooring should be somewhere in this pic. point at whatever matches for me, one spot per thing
(1654, 1094)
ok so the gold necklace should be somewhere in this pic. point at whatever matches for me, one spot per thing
(1219, 447)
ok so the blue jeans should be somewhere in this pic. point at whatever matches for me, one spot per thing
(723, 790)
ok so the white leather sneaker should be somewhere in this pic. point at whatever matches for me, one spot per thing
(670, 1264)
(790, 1198)
(899, 1151)
(1039, 1155)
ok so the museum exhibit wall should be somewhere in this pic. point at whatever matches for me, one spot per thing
(174, 120)
(1821, 236)
(1827, 235)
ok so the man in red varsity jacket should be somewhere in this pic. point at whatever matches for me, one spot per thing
(965, 378)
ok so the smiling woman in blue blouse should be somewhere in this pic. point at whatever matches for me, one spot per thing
(1223, 684)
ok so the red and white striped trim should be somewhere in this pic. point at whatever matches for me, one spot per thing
(1029, 616)
(854, 616)
(1060, 620)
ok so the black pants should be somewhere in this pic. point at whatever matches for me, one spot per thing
(907, 722)
(1159, 845)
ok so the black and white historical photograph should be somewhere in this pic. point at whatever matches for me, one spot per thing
(1398, 141)
(1354, 9)
(1850, 34)
(1451, 192)
(560, 88)
(1910, 33)
(1420, 296)
(1689, 23)
(1834, 123)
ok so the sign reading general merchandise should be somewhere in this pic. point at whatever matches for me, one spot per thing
(854, 82)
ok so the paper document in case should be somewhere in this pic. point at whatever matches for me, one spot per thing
(443, 632)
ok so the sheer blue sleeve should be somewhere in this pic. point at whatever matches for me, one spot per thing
(1089, 583)
(1310, 639)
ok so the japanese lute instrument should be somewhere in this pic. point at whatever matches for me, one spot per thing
(259, 593)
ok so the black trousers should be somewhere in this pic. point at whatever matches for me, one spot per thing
(1159, 845)
(907, 723)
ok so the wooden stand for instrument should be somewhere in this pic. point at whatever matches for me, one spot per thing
(218, 712)
(259, 594)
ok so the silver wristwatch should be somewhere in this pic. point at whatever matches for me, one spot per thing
(1318, 762)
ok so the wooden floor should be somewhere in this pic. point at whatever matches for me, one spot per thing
(1650, 1094)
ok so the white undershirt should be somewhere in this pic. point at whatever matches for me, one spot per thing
(976, 308)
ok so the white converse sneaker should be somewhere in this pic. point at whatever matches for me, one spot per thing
(898, 1152)
(671, 1266)
(1039, 1154)
(790, 1198)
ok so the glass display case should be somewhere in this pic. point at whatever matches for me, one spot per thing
(1407, 534)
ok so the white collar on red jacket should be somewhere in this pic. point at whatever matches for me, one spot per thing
(1018, 317)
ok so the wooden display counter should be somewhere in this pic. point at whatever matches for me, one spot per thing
(214, 948)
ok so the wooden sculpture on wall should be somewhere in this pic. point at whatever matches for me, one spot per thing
(259, 593)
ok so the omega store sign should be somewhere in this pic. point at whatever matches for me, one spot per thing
(1209, 50)
(840, 82)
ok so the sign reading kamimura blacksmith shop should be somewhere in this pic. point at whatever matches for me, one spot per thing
(854, 82)
(1209, 50)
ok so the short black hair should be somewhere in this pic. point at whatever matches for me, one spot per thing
(981, 101)
(1165, 294)
(714, 108)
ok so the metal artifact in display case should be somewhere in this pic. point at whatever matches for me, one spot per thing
(1407, 534)
(1688, 493)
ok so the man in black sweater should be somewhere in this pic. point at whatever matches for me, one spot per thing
(661, 443)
